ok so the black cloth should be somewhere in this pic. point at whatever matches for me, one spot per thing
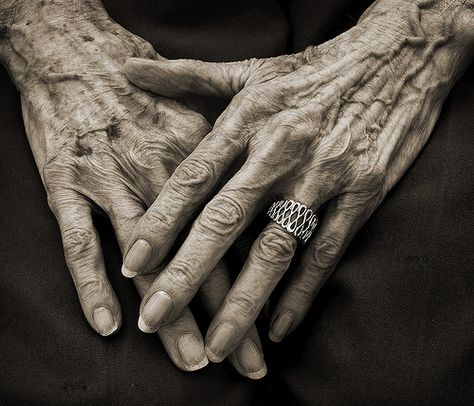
(394, 325)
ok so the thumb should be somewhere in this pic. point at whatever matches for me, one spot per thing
(181, 77)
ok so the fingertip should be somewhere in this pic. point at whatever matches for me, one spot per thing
(128, 273)
(144, 327)
(137, 257)
(258, 374)
(130, 66)
(191, 350)
(199, 366)
(274, 338)
(138, 72)
(281, 326)
(105, 321)
(156, 311)
(132, 63)
(213, 357)
(251, 359)
(221, 341)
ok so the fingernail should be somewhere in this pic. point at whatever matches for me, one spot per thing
(251, 359)
(221, 342)
(281, 326)
(137, 258)
(143, 327)
(191, 350)
(105, 321)
(127, 272)
(155, 312)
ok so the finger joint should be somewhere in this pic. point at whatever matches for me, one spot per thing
(222, 217)
(275, 247)
(78, 243)
(182, 274)
(242, 305)
(191, 177)
(326, 253)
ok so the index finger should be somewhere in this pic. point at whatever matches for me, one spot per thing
(181, 339)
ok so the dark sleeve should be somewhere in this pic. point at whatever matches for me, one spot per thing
(315, 21)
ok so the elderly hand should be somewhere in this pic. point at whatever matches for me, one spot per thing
(102, 144)
(336, 125)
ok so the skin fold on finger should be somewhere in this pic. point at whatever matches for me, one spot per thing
(248, 357)
(343, 217)
(181, 339)
(85, 261)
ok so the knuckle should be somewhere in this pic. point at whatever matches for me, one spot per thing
(78, 243)
(182, 275)
(52, 202)
(145, 49)
(89, 285)
(55, 175)
(157, 218)
(326, 252)
(302, 294)
(374, 175)
(242, 305)
(143, 154)
(295, 127)
(198, 127)
(276, 247)
(378, 174)
(248, 99)
(190, 177)
(222, 217)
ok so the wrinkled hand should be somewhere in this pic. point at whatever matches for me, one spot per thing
(336, 125)
(102, 144)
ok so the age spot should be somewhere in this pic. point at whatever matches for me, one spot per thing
(113, 132)
(82, 150)
(87, 38)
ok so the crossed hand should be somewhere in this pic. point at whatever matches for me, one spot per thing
(335, 126)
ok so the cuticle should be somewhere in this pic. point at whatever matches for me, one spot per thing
(144, 239)
(225, 322)
(171, 310)
(99, 306)
(116, 321)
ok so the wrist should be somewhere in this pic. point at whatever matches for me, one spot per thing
(36, 11)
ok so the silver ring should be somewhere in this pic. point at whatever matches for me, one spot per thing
(294, 217)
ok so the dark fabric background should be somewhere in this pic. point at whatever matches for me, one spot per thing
(393, 326)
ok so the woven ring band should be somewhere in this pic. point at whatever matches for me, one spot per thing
(294, 217)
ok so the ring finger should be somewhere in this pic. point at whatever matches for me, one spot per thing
(181, 339)
(269, 258)
(342, 219)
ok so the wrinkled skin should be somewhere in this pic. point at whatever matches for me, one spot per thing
(336, 125)
(102, 144)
